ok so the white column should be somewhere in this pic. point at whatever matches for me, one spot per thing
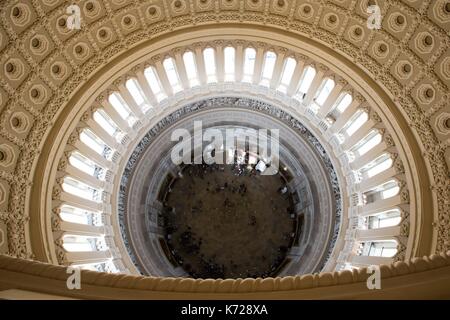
(331, 100)
(220, 63)
(181, 69)
(91, 154)
(369, 156)
(88, 257)
(82, 229)
(200, 61)
(114, 115)
(380, 205)
(358, 135)
(378, 234)
(143, 83)
(163, 78)
(293, 86)
(278, 69)
(239, 62)
(130, 101)
(342, 119)
(259, 62)
(321, 70)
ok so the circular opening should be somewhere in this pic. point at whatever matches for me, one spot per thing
(332, 19)
(307, 9)
(152, 11)
(15, 122)
(89, 6)
(127, 20)
(56, 69)
(62, 22)
(281, 3)
(447, 7)
(78, 49)
(9, 67)
(428, 40)
(383, 47)
(203, 1)
(407, 68)
(34, 93)
(255, 1)
(35, 42)
(358, 31)
(16, 12)
(177, 4)
(238, 198)
(2, 155)
(429, 93)
(400, 20)
(102, 33)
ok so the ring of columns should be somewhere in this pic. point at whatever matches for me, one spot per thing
(314, 183)
(354, 126)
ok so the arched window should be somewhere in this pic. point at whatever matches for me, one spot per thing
(138, 94)
(305, 83)
(154, 83)
(81, 189)
(108, 125)
(191, 68)
(324, 91)
(382, 219)
(268, 67)
(376, 166)
(86, 165)
(286, 75)
(382, 248)
(172, 74)
(249, 64)
(96, 144)
(384, 191)
(77, 243)
(355, 123)
(367, 143)
(210, 64)
(230, 57)
(122, 108)
(342, 104)
(81, 216)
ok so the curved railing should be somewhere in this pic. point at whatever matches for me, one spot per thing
(427, 277)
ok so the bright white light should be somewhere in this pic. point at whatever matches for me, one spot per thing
(172, 74)
(229, 56)
(93, 142)
(369, 144)
(80, 189)
(155, 84)
(249, 64)
(305, 82)
(288, 72)
(325, 91)
(356, 123)
(191, 68)
(210, 64)
(268, 68)
(344, 102)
